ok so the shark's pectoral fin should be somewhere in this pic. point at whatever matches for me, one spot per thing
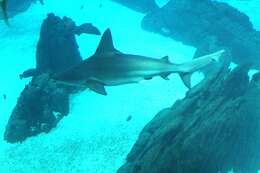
(186, 78)
(148, 78)
(165, 76)
(96, 86)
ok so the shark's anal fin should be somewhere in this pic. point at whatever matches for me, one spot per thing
(165, 76)
(96, 86)
(186, 78)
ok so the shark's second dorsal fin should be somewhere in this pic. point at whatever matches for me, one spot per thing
(165, 59)
(106, 43)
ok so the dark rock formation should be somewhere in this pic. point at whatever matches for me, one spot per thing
(216, 127)
(195, 22)
(142, 6)
(39, 108)
(57, 49)
(43, 102)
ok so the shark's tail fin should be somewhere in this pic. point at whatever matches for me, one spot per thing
(197, 64)
(4, 11)
(186, 79)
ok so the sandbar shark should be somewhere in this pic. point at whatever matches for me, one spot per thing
(110, 67)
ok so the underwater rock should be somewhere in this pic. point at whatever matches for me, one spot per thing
(195, 22)
(43, 102)
(40, 107)
(57, 49)
(142, 6)
(215, 128)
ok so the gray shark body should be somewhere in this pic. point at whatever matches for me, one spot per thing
(110, 67)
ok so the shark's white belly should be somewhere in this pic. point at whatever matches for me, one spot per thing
(130, 77)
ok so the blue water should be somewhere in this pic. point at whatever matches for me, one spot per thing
(95, 137)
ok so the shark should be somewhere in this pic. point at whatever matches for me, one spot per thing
(110, 67)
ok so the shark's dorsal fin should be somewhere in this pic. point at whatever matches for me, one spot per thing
(106, 44)
(165, 59)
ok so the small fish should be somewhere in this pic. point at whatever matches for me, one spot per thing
(3, 4)
(86, 28)
(4, 96)
(129, 118)
(28, 73)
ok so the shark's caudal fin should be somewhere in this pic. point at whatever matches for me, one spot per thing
(198, 64)
(186, 79)
(4, 11)
(106, 43)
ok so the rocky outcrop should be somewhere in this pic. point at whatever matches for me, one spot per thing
(43, 102)
(142, 6)
(57, 49)
(196, 22)
(40, 107)
(216, 127)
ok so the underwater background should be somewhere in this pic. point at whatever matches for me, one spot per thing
(95, 137)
